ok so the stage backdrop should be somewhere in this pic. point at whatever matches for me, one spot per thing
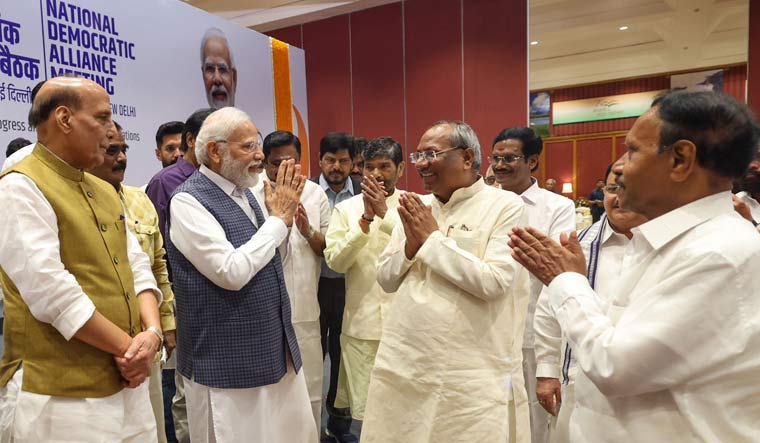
(147, 55)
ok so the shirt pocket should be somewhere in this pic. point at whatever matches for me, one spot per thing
(469, 241)
(145, 234)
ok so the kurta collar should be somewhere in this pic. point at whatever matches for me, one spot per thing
(225, 185)
(661, 230)
(57, 164)
(462, 194)
(610, 233)
(533, 193)
(348, 186)
(185, 167)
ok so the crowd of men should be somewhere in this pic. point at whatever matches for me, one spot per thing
(204, 308)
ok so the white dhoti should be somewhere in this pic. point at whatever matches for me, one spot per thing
(357, 360)
(274, 413)
(539, 418)
(560, 432)
(125, 417)
(310, 345)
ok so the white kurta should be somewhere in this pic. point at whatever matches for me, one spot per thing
(301, 268)
(30, 255)
(449, 362)
(752, 204)
(676, 355)
(278, 412)
(554, 358)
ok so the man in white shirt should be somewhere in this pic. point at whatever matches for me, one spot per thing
(360, 228)
(674, 355)
(603, 245)
(515, 156)
(239, 355)
(81, 300)
(448, 367)
(301, 266)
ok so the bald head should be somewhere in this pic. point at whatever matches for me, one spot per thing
(73, 120)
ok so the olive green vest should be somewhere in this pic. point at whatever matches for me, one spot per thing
(93, 242)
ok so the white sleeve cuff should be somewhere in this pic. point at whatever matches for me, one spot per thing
(74, 317)
(547, 370)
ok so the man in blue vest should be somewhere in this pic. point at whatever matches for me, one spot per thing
(240, 361)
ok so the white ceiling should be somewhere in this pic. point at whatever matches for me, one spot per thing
(579, 41)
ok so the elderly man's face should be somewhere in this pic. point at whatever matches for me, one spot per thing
(114, 163)
(442, 175)
(622, 220)
(243, 160)
(644, 179)
(550, 184)
(92, 127)
(219, 76)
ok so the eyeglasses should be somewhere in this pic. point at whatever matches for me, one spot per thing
(278, 162)
(114, 150)
(429, 155)
(611, 189)
(247, 147)
(508, 159)
(212, 68)
(491, 179)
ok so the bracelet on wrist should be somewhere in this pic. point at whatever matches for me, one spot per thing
(158, 333)
(368, 220)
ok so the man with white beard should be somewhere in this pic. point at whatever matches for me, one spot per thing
(218, 68)
(240, 361)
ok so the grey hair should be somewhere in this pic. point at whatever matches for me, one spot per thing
(219, 125)
(463, 136)
(216, 33)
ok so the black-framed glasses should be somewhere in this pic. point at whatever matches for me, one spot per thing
(114, 150)
(611, 189)
(429, 155)
(490, 180)
(508, 159)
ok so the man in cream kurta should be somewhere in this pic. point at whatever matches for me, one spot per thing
(448, 367)
(301, 265)
(360, 229)
(674, 355)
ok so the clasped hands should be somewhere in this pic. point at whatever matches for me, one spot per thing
(545, 258)
(283, 201)
(135, 362)
(417, 220)
(374, 194)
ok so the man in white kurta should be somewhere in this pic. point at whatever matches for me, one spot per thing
(604, 245)
(448, 367)
(675, 354)
(302, 263)
(277, 411)
(514, 157)
(360, 229)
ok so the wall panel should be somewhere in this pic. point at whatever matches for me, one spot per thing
(593, 157)
(291, 35)
(558, 161)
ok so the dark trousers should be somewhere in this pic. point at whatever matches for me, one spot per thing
(167, 385)
(332, 299)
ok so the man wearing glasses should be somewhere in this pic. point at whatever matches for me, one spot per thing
(239, 358)
(218, 68)
(514, 157)
(448, 365)
(603, 245)
(142, 220)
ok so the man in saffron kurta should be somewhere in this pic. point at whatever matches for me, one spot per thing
(448, 368)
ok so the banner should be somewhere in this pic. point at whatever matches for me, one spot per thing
(698, 81)
(148, 55)
(603, 108)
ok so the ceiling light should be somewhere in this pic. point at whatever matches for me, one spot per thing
(623, 28)
(534, 43)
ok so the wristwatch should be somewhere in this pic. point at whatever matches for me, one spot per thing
(160, 335)
(311, 234)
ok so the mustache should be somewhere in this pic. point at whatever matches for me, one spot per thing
(219, 88)
(119, 167)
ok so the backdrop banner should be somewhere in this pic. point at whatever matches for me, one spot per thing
(151, 58)
(603, 108)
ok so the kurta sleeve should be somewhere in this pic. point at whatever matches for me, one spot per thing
(548, 339)
(344, 239)
(392, 265)
(665, 335)
(489, 278)
(201, 239)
